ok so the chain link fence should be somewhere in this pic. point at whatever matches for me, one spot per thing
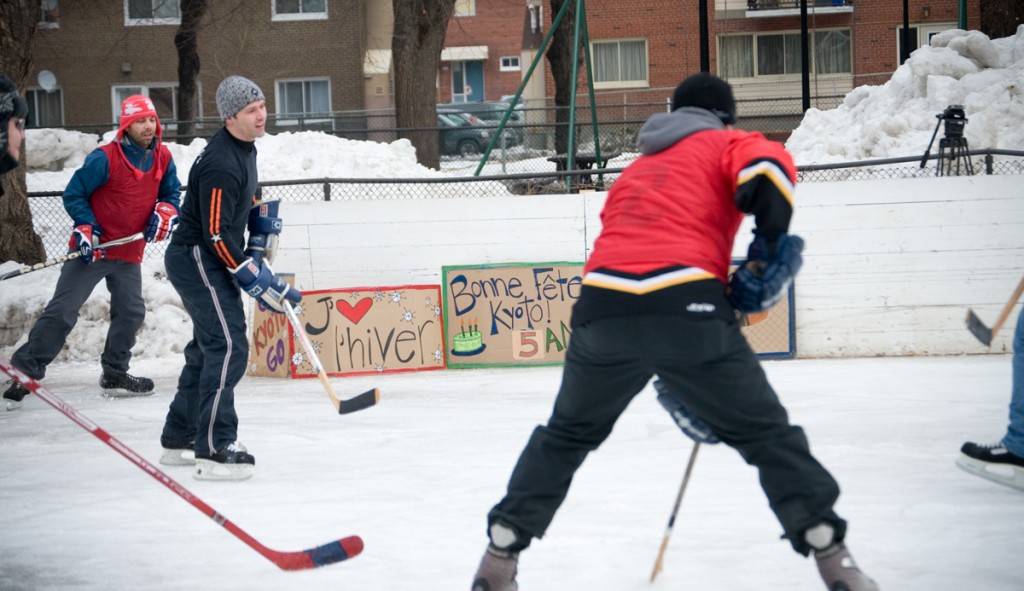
(53, 224)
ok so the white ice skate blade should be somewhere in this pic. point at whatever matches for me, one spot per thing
(121, 393)
(178, 457)
(13, 404)
(209, 470)
(1005, 474)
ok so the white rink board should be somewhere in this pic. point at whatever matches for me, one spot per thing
(891, 266)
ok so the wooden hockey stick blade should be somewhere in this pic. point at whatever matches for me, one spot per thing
(359, 402)
(978, 328)
(982, 332)
(344, 407)
(322, 555)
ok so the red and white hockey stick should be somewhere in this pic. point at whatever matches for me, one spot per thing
(329, 553)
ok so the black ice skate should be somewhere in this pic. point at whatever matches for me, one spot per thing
(230, 463)
(991, 462)
(178, 453)
(497, 571)
(839, 572)
(14, 395)
(125, 385)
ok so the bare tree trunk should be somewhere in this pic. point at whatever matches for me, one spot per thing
(560, 57)
(420, 28)
(18, 239)
(1000, 18)
(186, 40)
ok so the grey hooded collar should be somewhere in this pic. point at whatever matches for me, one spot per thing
(664, 130)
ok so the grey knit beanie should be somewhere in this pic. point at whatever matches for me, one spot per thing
(234, 93)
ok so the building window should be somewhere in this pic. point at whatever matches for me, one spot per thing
(620, 64)
(303, 97)
(49, 14)
(151, 12)
(45, 109)
(299, 10)
(510, 64)
(778, 54)
(920, 35)
(465, 8)
(164, 97)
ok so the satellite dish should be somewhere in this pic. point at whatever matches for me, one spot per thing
(47, 80)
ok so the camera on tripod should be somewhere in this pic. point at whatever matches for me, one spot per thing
(953, 150)
(955, 120)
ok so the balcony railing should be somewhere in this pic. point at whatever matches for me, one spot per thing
(794, 4)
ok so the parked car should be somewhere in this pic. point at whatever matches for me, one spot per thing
(460, 136)
(490, 114)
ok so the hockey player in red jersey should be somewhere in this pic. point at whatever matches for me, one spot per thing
(657, 299)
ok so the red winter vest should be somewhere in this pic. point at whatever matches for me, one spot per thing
(124, 203)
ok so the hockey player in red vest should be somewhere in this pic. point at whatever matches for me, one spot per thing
(125, 187)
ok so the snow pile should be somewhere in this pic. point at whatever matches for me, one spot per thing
(985, 76)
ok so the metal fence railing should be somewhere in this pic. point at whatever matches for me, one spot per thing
(53, 224)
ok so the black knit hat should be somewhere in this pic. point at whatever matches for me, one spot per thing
(12, 104)
(706, 92)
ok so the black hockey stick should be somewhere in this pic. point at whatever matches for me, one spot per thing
(329, 553)
(986, 334)
(67, 257)
(357, 402)
(658, 563)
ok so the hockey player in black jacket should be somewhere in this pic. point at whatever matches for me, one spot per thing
(209, 263)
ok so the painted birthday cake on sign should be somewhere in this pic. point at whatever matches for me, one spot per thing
(469, 341)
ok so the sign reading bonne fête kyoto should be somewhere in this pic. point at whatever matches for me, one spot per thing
(511, 314)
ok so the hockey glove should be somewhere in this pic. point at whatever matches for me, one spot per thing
(763, 279)
(264, 228)
(85, 239)
(692, 427)
(161, 222)
(262, 284)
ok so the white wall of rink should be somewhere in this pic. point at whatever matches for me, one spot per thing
(891, 266)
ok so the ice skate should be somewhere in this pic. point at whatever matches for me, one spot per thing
(230, 463)
(497, 571)
(991, 462)
(125, 385)
(840, 573)
(178, 453)
(15, 395)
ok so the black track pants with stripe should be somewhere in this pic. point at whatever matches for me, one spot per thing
(203, 408)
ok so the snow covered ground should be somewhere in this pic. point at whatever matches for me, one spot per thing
(416, 475)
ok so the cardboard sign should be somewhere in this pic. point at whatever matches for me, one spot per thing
(371, 330)
(770, 333)
(271, 337)
(512, 314)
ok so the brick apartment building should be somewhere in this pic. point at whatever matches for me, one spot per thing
(641, 50)
(318, 56)
(306, 56)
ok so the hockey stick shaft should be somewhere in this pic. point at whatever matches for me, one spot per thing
(359, 402)
(982, 332)
(67, 257)
(659, 562)
(334, 551)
